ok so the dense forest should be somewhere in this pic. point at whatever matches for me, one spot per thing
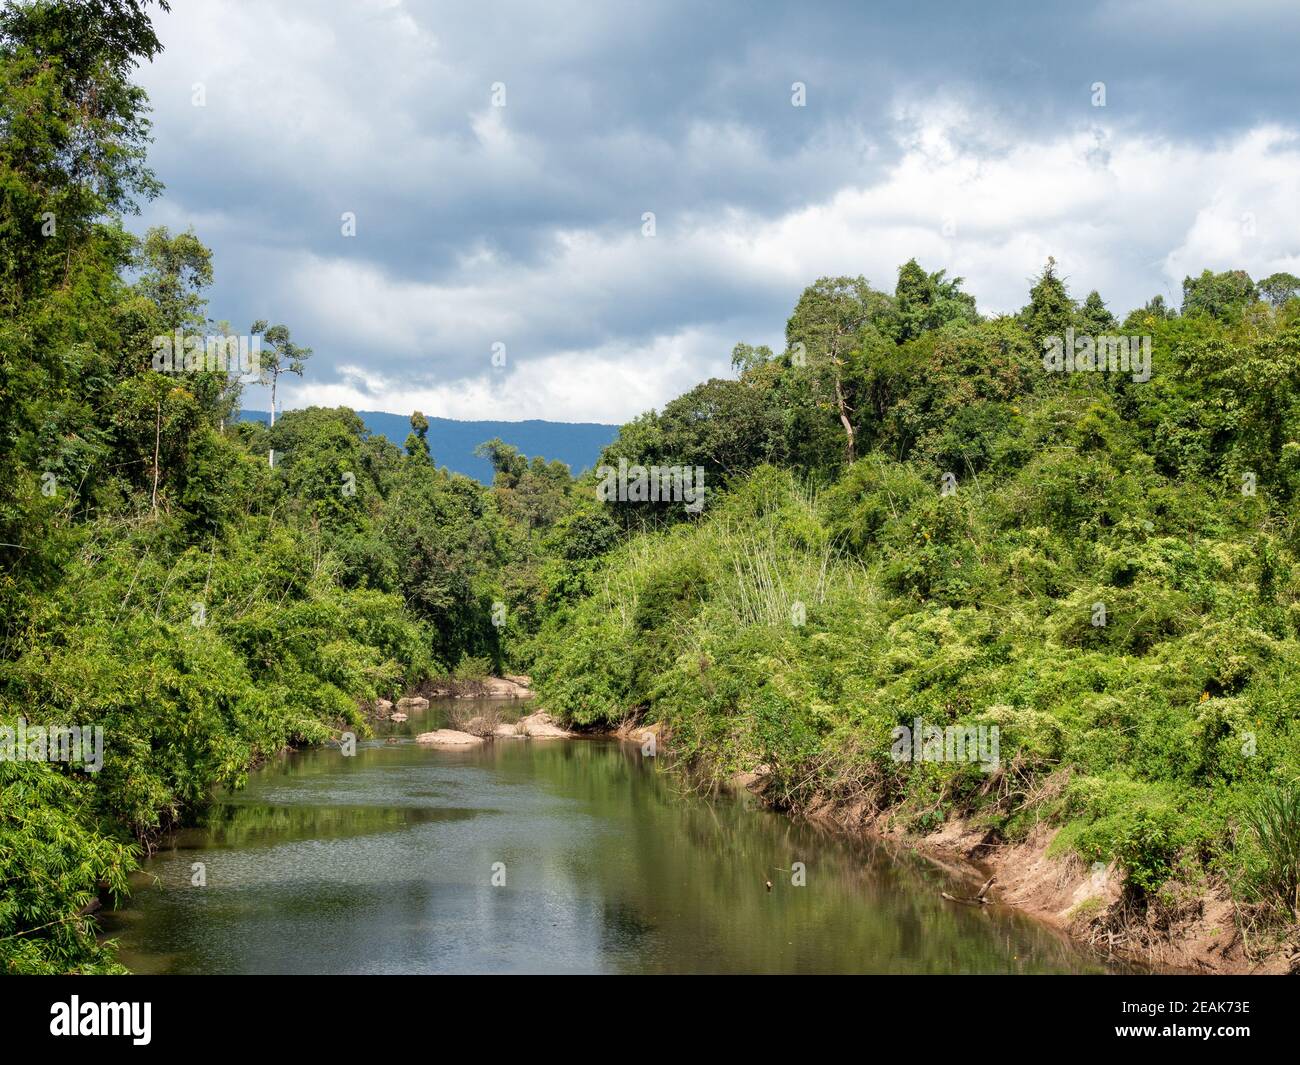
(910, 512)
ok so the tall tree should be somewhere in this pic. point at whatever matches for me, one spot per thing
(829, 331)
(508, 465)
(1222, 296)
(417, 443)
(929, 301)
(280, 355)
(1280, 287)
(1094, 318)
(73, 136)
(1050, 310)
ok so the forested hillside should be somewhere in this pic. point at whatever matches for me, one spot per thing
(159, 577)
(457, 443)
(913, 512)
(912, 518)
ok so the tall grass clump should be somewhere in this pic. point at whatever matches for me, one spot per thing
(1274, 823)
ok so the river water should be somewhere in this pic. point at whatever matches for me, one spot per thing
(385, 862)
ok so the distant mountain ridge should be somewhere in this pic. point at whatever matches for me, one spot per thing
(452, 442)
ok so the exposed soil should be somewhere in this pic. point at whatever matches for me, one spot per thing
(1191, 928)
(1197, 932)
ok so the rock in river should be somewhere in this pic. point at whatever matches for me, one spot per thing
(447, 737)
(540, 726)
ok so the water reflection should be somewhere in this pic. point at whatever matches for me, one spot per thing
(383, 863)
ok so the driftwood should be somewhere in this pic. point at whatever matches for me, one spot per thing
(978, 899)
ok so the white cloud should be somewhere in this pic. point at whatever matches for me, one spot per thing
(1127, 215)
(522, 225)
(562, 386)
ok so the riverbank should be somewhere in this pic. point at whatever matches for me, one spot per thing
(1198, 933)
(1190, 929)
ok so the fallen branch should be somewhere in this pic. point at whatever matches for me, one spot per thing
(978, 899)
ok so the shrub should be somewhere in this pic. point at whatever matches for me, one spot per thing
(1274, 821)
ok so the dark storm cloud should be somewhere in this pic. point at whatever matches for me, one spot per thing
(383, 109)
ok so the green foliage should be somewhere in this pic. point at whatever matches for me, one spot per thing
(927, 302)
(472, 668)
(1098, 585)
(1050, 310)
(280, 355)
(55, 852)
(160, 579)
(1279, 288)
(1274, 820)
(1093, 317)
(1139, 825)
(1223, 296)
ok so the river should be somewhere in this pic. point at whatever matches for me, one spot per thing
(565, 856)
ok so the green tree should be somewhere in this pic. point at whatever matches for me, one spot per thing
(1050, 310)
(1222, 296)
(929, 301)
(281, 355)
(508, 465)
(746, 357)
(1094, 318)
(174, 270)
(1278, 288)
(417, 444)
(832, 330)
(73, 135)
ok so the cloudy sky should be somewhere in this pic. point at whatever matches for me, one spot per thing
(966, 135)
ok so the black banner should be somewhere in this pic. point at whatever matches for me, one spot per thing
(169, 1014)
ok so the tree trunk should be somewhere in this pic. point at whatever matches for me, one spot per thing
(157, 441)
(849, 450)
(270, 455)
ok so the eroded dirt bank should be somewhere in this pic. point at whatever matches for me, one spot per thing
(1190, 928)
(1195, 932)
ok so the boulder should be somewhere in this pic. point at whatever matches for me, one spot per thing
(756, 779)
(541, 726)
(383, 706)
(397, 717)
(448, 738)
(505, 688)
(640, 733)
(507, 731)
(648, 732)
(412, 702)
